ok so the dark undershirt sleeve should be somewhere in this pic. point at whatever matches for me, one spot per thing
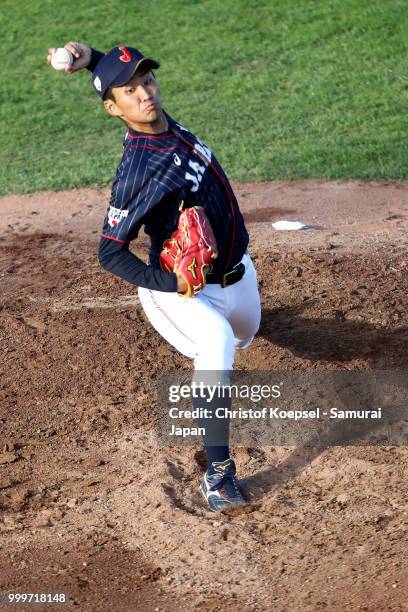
(117, 259)
(95, 57)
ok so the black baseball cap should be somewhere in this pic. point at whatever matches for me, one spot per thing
(118, 66)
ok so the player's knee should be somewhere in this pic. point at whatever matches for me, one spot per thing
(219, 343)
(222, 338)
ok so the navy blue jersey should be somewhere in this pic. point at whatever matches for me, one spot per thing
(157, 172)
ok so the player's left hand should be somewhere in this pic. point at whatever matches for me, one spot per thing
(182, 286)
(189, 251)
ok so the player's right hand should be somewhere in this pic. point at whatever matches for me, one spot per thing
(80, 52)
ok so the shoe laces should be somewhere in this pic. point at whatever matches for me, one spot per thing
(221, 482)
(225, 479)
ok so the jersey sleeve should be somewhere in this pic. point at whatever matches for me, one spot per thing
(132, 194)
(95, 57)
(124, 216)
(117, 259)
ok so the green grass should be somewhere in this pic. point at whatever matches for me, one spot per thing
(279, 89)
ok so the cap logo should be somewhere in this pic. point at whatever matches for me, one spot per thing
(125, 57)
(98, 84)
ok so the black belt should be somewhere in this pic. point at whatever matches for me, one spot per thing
(228, 278)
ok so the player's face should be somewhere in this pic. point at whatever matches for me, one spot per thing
(137, 102)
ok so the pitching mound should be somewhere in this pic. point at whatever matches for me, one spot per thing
(90, 505)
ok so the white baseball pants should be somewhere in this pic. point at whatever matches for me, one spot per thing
(209, 327)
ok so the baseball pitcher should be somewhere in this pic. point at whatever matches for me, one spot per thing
(199, 290)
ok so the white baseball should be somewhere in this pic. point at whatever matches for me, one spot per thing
(61, 59)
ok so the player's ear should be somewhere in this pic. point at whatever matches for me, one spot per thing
(111, 108)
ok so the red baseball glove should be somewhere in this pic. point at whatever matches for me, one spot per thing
(190, 249)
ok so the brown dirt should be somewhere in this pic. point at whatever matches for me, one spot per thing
(91, 505)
